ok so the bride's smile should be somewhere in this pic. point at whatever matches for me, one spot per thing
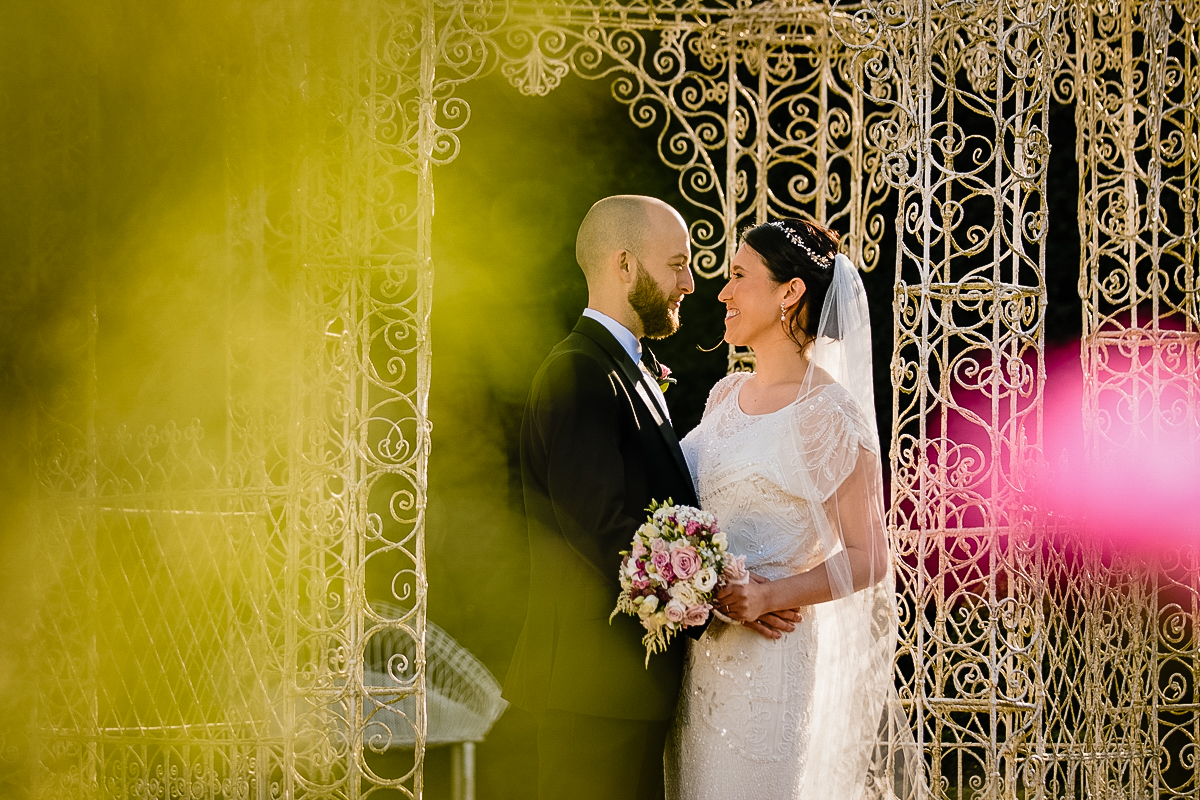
(754, 302)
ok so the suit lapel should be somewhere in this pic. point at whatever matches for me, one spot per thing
(635, 384)
(668, 432)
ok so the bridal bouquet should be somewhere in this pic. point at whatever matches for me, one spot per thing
(668, 577)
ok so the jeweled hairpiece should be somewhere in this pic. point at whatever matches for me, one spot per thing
(793, 237)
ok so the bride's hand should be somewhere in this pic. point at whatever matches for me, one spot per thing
(775, 624)
(744, 602)
(784, 621)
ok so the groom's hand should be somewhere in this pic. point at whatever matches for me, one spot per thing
(775, 624)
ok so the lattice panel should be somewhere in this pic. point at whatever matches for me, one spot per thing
(967, 149)
(166, 583)
(1137, 76)
(218, 589)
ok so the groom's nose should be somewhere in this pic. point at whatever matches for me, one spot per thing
(686, 281)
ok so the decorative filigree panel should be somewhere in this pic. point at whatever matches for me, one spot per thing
(967, 150)
(1140, 170)
(217, 589)
(360, 220)
(1137, 81)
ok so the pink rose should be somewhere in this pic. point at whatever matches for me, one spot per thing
(695, 615)
(658, 546)
(675, 611)
(734, 570)
(639, 550)
(641, 585)
(685, 561)
(692, 528)
(662, 563)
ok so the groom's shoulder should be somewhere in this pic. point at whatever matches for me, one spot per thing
(576, 343)
(575, 366)
(581, 346)
(575, 354)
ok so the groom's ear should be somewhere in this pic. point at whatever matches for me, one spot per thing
(626, 267)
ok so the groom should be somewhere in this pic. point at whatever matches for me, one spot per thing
(597, 447)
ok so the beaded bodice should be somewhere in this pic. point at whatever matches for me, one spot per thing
(753, 471)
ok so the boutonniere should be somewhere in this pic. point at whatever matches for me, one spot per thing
(664, 377)
(660, 372)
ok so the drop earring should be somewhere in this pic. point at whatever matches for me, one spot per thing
(782, 313)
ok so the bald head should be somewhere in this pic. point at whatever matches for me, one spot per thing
(620, 222)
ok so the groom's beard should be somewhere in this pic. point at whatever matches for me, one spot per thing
(653, 307)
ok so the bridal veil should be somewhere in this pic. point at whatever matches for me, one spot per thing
(861, 734)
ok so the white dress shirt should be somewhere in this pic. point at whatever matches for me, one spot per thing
(630, 344)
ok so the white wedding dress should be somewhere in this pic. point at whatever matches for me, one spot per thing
(803, 716)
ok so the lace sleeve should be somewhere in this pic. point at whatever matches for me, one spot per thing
(829, 430)
(722, 390)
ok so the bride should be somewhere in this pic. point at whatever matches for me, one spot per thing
(788, 459)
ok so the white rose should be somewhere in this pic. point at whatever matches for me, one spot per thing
(705, 580)
(720, 540)
(685, 593)
(648, 606)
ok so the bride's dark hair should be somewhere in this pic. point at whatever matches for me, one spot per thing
(797, 248)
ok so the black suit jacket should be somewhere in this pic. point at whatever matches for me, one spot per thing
(593, 457)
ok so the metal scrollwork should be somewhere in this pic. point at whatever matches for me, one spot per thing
(965, 147)
(733, 92)
(1136, 78)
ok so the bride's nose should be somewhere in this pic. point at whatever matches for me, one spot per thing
(726, 293)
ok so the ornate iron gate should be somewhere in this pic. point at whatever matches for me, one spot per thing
(221, 594)
(1030, 669)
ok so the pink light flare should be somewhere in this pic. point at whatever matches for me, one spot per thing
(1143, 496)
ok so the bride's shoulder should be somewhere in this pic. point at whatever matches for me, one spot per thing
(727, 383)
(723, 389)
(832, 412)
(838, 398)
